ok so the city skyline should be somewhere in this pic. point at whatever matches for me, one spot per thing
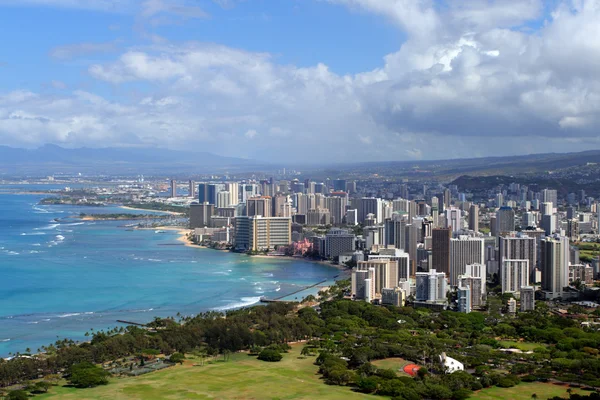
(245, 79)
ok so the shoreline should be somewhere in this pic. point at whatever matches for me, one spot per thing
(156, 211)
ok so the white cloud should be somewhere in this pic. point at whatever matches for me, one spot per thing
(469, 79)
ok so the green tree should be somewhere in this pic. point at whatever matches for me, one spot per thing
(85, 375)
(177, 358)
(17, 395)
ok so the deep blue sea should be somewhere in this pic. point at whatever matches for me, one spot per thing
(60, 279)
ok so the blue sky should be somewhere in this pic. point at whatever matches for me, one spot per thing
(302, 33)
(287, 80)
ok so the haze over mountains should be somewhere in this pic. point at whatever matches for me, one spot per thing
(50, 159)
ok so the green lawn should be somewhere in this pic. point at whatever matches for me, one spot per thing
(523, 346)
(524, 391)
(393, 363)
(242, 377)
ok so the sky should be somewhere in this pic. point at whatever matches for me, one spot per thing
(303, 80)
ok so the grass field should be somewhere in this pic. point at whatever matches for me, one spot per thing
(523, 346)
(242, 377)
(393, 363)
(524, 391)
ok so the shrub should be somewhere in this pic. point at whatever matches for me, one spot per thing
(85, 375)
(270, 355)
(177, 358)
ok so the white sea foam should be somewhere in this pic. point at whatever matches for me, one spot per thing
(41, 210)
(33, 234)
(46, 228)
(74, 224)
(36, 244)
(154, 260)
(244, 302)
(68, 315)
(60, 238)
(5, 340)
(278, 289)
(13, 253)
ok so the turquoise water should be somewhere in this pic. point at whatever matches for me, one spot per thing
(60, 279)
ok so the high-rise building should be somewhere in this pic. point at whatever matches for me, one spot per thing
(440, 247)
(173, 188)
(549, 223)
(412, 238)
(511, 305)
(474, 218)
(395, 231)
(386, 274)
(336, 204)
(518, 247)
(201, 214)
(447, 198)
(339, 185)
(393, 296)
(202, 193)
(338, 242)
(431, 286)
(550, 196)
(223, 199)
(370, 205)
(554, 265)
(529, 219)
(573, 229)
(514, 275)
(352, 217)
(258, 233)
(318, 216)
(191, 189)
(234, 193)
(505, 220)
(401, 264)
(527, 298)
(362, 284)
(464, 250)
(464, 299)
(582, 273)
(454, 219)
(259, 206)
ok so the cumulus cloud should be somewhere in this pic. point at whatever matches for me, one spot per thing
(472, 78)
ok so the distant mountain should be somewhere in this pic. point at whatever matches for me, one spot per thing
(49, 158)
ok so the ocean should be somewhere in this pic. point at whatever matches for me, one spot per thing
(61, 279)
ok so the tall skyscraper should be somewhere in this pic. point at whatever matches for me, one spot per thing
(173, 188)
(223, 199)
(362, 284)
(454, 219)
(431, 286)
(339, 185)
(440, 247)
(527, 298)
(474, 218)
(517, 247)
(447, 198)
(234, 193)
(201, 214)
(505, 220)
(464, 250)
(191, 189)
(202, 193)
(370, 205)
(515, 274)
(395, 231)
(554, 265)
(550, 196)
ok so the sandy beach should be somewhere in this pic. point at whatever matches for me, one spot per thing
(183, 234)
(145, 209)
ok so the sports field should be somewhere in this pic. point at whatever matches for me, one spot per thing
(524, 391)
(242, 377)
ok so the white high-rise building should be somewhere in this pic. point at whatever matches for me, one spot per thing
(234, 193)
(431, 286)
(401, 269)
(514, 275)
(454, 219)
(464, 250)
(362, 287)
(464, 299)
(223, 199)
(474, 278)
